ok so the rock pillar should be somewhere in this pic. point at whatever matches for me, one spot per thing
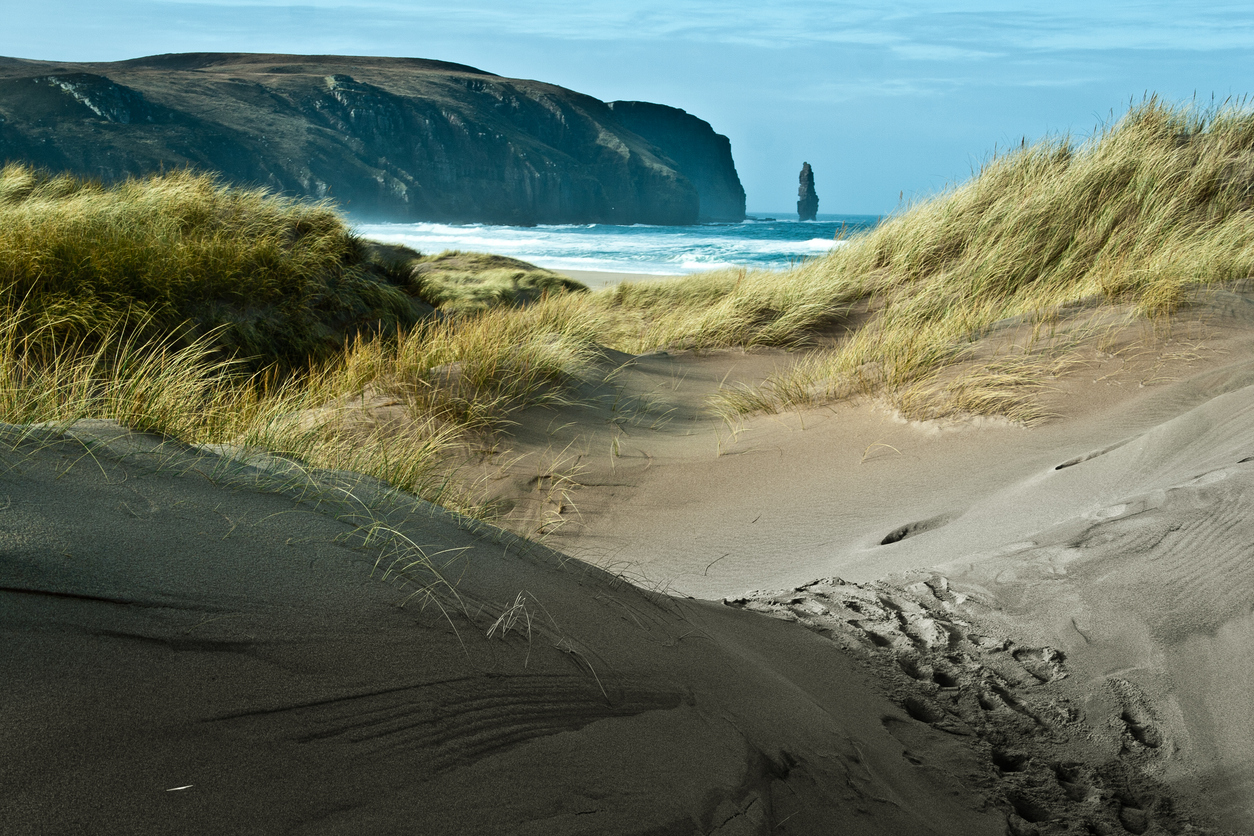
(808, 200)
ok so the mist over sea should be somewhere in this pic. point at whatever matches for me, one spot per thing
(767, 241)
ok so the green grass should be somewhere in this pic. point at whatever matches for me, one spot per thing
(187, 394)
(462, 282)
(473, 371)
(225, 316)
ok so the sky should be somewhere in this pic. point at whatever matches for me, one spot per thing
(888, 102)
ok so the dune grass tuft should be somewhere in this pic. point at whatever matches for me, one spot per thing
(473, 370)
(266, 279)
(730, 307)
(464, 282)
(233, 317)
(187, 393)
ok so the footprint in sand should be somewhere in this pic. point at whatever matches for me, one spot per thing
(915, 528)
(1141, 726)
(1043, 663)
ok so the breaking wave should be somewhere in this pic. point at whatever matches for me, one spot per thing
(657, 250)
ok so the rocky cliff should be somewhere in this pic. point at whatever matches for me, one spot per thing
(700, 154)
(387, 138)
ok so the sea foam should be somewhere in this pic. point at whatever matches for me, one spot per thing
(658, 250)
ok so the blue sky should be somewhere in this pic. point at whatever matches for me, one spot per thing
(882, 99)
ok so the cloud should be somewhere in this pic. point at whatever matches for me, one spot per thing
(913, 30)
(973, 32)
(941, 52)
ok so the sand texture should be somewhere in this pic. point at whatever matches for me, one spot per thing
(831, 621)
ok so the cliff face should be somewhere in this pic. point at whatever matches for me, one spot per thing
(387, 138)
(700, 154)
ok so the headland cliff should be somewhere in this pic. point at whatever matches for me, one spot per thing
(399, 139)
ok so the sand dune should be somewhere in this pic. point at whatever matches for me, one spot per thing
(896, 628)
(197, 646)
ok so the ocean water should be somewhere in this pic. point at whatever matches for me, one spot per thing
(767, 241)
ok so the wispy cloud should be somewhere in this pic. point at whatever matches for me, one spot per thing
(914, 30)
(912, 51)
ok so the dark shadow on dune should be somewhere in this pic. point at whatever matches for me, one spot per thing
(1089, 456)
(914, 528)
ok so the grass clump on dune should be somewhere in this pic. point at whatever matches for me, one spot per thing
(187, 392)
(474, 371)
(464, 282)
(398, 408)
(263, 278)
(226, 316)
(730, 307)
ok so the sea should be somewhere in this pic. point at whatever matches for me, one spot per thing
(763, 240)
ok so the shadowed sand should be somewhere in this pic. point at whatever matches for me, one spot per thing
(187, 653)
(975, 627)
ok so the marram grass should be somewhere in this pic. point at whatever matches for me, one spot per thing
(268, 280)
(1143, 214)
(186, 393)
(214, 315)
(463, 282)
(231, 316)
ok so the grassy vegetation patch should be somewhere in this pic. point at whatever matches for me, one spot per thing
(234, 317)
(723, 308)
(183, 258)
(1144, 213)
(464, 282)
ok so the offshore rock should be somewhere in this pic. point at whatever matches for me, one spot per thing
(697, 152)
(807, 198)
(387, 138)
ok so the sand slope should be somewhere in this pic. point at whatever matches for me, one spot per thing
(1115, 535)
(185, 651)
(1148, 587)
(1115, 613)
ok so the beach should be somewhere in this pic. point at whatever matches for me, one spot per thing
(388, 446)
(827, 615)
(598, 279)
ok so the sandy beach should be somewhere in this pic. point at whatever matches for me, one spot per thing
(830, 620)
(596, 279)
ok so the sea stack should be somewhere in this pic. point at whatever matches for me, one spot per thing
(808, 201)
